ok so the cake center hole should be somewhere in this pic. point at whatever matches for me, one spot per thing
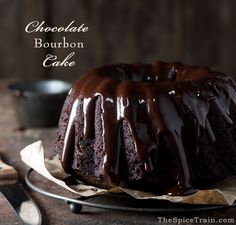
(123, 73)
(172, 74)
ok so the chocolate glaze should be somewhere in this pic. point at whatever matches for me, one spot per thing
(145, 96)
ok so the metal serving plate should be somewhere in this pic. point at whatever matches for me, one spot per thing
(123, 202)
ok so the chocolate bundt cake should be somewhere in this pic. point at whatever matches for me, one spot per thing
(162, 127)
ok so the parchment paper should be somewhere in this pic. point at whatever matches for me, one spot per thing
(223, 193)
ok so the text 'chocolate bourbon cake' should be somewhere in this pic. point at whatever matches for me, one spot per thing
(161, 127)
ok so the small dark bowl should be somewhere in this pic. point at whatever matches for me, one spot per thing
(38, 103)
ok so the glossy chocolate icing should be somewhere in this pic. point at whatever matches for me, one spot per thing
(147, 96)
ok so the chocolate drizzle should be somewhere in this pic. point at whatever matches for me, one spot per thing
(151, 98)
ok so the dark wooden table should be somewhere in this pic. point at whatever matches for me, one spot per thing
(56, 212)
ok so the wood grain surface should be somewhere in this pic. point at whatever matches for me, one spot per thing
(190, 31)
(7, 171)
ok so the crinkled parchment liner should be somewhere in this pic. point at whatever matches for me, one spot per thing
(224, 193)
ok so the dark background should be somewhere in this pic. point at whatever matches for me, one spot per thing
(193, 32)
